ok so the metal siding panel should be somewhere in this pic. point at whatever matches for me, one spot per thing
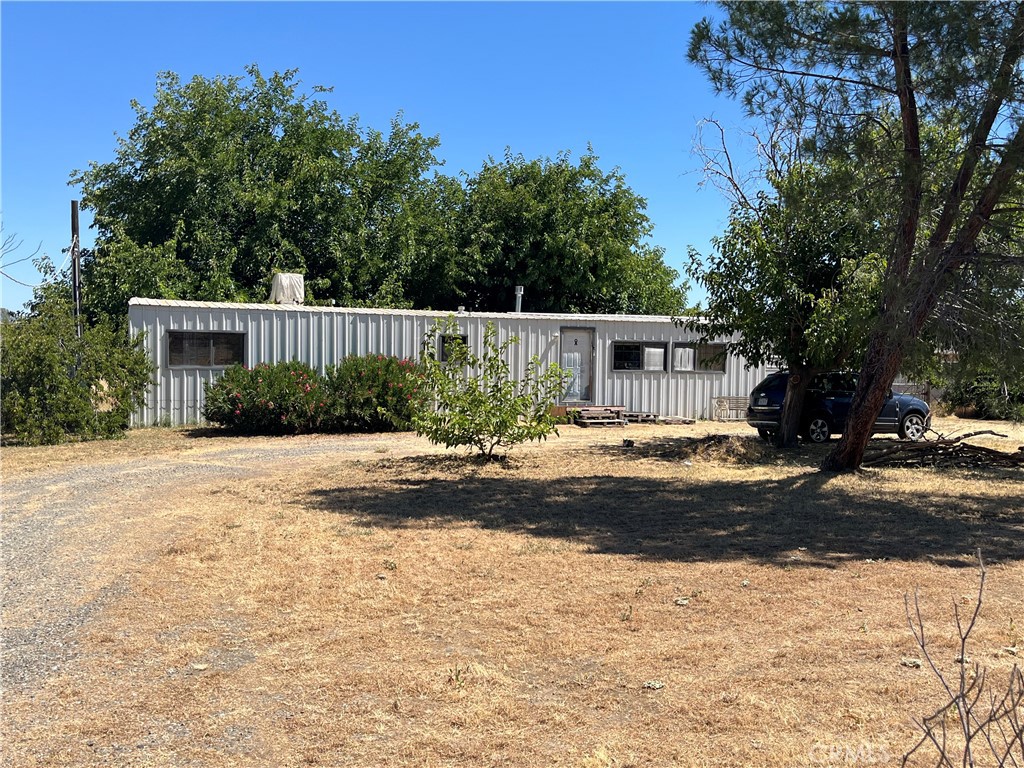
(323, 336)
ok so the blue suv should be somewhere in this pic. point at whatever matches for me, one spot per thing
(827, 404)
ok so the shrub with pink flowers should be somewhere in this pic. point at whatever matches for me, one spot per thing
(373, 393)
(286, 398)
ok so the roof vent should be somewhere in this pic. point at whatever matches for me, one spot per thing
(287, 288)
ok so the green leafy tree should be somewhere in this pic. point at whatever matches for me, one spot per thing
(225, 181)
(57, 385)
(791, 280)
(222, 182)
(477, 402)
(439, 271)
(572, 235)
(830, 70)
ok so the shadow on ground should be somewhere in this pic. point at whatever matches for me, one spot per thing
(767, 520)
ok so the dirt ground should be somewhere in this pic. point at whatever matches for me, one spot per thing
(186, 599)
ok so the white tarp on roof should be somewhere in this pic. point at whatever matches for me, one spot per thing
(287, 288)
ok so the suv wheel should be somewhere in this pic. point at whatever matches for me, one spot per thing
(818, 430)
(912, 427)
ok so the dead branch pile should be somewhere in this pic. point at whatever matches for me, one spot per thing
(944, 452)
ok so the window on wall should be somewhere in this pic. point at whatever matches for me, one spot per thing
(691, 356)
(447, 342)
(638, 356)
(211, 350)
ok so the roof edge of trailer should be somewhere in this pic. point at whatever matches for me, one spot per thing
(230, 305)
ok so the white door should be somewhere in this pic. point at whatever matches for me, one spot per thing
(578, 359)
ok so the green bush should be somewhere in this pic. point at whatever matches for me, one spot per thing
(56, 386)
(285, 398)
(374, 393)
(478, 404)
(987, 397)
(362, 394)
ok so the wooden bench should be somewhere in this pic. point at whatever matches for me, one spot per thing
(730, 408)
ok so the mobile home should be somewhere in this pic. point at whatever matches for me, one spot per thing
(644, 363)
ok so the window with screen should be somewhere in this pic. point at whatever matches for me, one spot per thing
(691, 356)
(205, 350)
(638, 356)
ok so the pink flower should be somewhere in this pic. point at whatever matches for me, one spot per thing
(238, 412)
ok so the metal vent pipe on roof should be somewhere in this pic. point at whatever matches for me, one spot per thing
(519, 298)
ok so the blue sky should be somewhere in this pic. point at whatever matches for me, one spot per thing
(538, 77)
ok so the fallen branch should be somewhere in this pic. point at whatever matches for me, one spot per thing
(944, 452)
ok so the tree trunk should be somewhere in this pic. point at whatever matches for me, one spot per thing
(793, 406)
(881, 364)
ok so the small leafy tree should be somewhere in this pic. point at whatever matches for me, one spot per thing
(57, 385)
(478, 404)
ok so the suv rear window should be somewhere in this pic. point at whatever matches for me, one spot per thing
(773, 380)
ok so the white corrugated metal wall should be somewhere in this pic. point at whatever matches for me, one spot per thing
(322, 336)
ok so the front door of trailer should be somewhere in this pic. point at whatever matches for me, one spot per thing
(578, 358)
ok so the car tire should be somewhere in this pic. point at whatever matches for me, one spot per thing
(766, 434)
(818, 430)
(912, 427)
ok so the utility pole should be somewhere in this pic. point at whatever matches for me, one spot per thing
(76, 270)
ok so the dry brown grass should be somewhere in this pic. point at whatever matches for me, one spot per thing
(688, 601)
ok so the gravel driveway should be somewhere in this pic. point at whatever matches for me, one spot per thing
(74, 532)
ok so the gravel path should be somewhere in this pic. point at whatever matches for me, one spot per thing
(71, 536)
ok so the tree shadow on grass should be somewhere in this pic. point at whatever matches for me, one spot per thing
(767, 520)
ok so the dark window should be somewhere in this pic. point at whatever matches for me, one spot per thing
(210, 350)
(451, 341)
(843, 383)
(835, 383)
(638, 356)
(691, 356)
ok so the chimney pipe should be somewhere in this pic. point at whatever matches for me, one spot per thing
(519, 299)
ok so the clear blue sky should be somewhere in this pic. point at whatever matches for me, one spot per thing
(538, 77)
